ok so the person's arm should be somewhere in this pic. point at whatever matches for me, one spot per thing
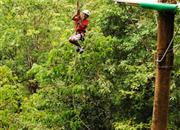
(76, 16)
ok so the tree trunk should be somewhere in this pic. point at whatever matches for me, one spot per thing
(163, 70)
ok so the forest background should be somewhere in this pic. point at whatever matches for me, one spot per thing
(46, 85)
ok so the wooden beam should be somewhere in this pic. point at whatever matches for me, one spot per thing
(151, 4)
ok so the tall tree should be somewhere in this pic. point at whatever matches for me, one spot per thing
(163, 69)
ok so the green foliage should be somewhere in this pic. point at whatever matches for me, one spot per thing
(175, 90)
(11, 94)
(46, 85)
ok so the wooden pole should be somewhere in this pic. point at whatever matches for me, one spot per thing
(163, 70)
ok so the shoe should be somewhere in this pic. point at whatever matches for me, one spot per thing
(81, 50)
(78, 49)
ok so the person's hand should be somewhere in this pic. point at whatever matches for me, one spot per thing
(78, 12)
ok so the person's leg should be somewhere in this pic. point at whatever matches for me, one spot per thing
(76, 43)
(82, 39)
(75, 40)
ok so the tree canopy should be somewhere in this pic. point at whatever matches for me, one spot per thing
(46, 85)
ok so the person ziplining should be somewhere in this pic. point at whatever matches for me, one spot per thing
(81, 24)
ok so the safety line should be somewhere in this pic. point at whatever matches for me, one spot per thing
(159, 61)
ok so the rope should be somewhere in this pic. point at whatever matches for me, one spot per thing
(159, 61)
(78, 13)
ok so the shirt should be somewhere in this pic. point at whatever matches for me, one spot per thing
(81, 27)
